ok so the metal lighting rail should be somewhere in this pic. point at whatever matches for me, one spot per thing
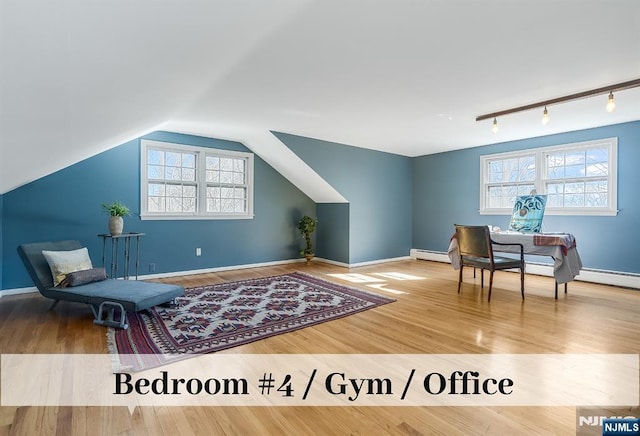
(603, 90)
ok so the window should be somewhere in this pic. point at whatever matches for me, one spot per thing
(579, 179)
(508, 178)
(185, 182)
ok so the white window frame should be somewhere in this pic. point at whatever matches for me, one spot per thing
(201, 183)
(541, 154)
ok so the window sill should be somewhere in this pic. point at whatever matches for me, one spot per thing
(151, 217)
(571, 212)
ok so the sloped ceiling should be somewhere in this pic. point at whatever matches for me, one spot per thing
(403, 76)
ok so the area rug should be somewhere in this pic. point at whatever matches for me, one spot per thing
(216, 317)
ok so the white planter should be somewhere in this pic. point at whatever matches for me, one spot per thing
(116, 224)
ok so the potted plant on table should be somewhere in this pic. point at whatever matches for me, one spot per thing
(307, 225)
(117, 211)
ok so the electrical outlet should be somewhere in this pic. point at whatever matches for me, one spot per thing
(198, 251)
(152, 267)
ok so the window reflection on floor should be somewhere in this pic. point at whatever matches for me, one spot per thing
(378, 281)
(356, 278)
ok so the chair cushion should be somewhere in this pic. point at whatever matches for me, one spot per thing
(483, 262)
(479, 262)
(506, 262)
(132, 294)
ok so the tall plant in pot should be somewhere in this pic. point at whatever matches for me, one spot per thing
(307, 226)
(117, 211)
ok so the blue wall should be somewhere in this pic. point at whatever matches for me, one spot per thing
(378, 187)
(67, 205)
(446, 191)
(1, 232)
(395, 203)
(332, 232)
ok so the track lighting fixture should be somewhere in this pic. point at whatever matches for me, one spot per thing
(545, 116)
(611, 104)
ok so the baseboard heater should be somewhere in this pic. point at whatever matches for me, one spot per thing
(614, 278)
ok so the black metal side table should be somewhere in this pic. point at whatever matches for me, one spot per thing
(127, 237)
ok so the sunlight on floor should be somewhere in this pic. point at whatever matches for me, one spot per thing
(399, 276)
(356, 278)
(378, 283)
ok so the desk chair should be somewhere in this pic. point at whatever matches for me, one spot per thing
(476, 250)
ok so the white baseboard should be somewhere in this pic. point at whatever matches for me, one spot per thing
(218, 269)
(359, 264)
(375, 262)
(274, 263)
(614, 278)
(625, 280)
(18, 291)
(331, 262)
(172, 274)
(225, 268)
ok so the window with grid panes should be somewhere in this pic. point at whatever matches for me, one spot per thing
(188, 182)
(579, 178)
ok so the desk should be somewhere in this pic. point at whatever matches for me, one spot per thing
(560, 246)
(127, 252)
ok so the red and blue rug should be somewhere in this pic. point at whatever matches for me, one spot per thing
(216, 317)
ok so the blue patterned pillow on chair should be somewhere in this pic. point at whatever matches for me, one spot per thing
(527, 213)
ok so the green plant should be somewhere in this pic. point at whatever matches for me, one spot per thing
(116, 209)
(307, 225)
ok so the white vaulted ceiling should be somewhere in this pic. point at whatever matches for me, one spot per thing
(403, 76)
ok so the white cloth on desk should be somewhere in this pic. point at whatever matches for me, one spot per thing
(565, 267)
(453, 253)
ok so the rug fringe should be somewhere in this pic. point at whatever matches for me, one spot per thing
(112, 351)
(111, 341)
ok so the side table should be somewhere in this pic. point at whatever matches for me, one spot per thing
(127, 237)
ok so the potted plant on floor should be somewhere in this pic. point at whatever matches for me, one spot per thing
(307, 225)
(117, 211)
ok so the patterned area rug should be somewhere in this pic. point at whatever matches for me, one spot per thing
(215, 317)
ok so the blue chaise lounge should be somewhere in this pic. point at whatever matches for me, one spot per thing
(109, 299)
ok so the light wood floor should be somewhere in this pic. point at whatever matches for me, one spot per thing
(429, 317)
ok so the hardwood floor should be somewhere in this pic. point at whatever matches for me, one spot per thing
(428, 317)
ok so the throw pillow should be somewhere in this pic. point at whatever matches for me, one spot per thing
(84, 276)
(62, 263)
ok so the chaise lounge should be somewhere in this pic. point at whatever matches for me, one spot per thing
(109, 299)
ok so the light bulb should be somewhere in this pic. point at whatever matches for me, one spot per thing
(611, 104)
(494, 127)
(545, 116)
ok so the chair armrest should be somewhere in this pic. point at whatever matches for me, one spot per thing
(511, 243)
